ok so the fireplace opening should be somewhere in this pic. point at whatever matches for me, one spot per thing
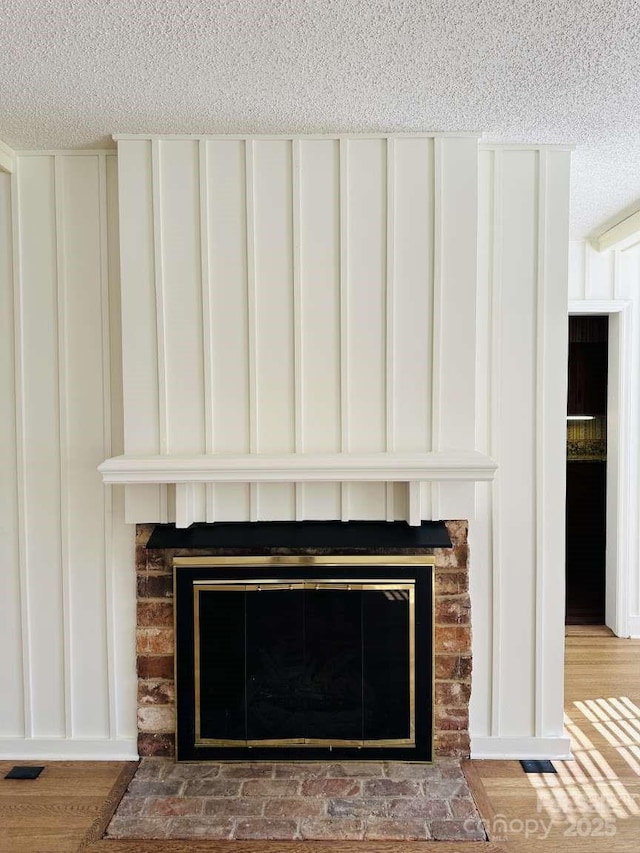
(304, 657)
(234, 553)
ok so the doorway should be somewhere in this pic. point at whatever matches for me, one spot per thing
(586, 506)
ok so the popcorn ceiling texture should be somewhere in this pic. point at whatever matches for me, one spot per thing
(558, 71)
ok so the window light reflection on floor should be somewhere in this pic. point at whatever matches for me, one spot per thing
(589, 784)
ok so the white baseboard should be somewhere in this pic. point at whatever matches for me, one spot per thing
(634, 627)
(62, 749)
(517, 748)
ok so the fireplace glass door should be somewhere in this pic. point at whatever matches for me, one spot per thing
(304, 663)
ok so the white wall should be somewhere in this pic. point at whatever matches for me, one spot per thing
(67, 589)
(287, 295)
(517, 539)
(609, 283)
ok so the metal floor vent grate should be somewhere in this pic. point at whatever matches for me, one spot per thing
(544, 766)
(24, 772)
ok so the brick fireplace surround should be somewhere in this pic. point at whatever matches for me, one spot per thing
(155, 641)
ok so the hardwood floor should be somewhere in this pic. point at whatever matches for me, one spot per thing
(598, 792)
(588, 631)
(592, 805)
(57, 811)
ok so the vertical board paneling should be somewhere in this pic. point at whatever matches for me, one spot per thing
(577, 250)
(12, 716)
(38, 321)
(209, 514)
(272, 182)
(413, 291)
(229, 327)
(139, 335)
(317, 269)
(120, 581)
(76, 667)
(599, 269)
(517, 414)
(64, 445)
(182, 300)
(345, 488)
(367, 228)
(553, 341)
(320, 320)
(458, 260)
(84, 420)
(482, 582)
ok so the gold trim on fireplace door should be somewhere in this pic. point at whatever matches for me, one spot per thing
(268, 585)
(306, 559)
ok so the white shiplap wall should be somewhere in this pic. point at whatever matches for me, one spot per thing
(67, 671)
(286, 295)
(517, 539)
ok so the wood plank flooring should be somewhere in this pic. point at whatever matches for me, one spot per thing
(55, 813)
(67, 808)
(594, 800)
(588, 631)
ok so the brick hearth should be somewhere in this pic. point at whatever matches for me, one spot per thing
(155, 642)
(285, 801)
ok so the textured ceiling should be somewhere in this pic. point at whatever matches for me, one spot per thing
(73, 72)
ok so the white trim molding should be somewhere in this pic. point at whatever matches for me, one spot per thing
(619, 469)
(67, 749)
(7, 158)
(430, 134)
(299, 468)
(625, 234)
(521, 748)
(295, 468)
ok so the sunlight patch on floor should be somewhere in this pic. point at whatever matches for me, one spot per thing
(588, 791)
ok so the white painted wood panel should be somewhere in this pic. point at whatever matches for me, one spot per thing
(551, 353)
(226, 242)
(141, 389)
(454, 315)
(40, 427)
(517, 539)
(12, 710)
(120, 581)
(182, 295)
(274, 314)
(484, 577)
(599, 277)
(456, 212)
(70, 633)
(513, 603)
(577, 264)
(366, 185)
(411, 354)
(317, 261)
(82, 201)
(517, 416)
(319, 388)
(183, 324)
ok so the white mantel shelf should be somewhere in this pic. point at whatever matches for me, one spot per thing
(299, 468)
(411, 468)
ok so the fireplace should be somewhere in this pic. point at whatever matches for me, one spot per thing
(304, 657)
(428, 663)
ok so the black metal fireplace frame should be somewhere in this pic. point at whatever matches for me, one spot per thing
(189, 572)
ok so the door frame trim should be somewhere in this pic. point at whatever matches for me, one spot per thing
(619, 391)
